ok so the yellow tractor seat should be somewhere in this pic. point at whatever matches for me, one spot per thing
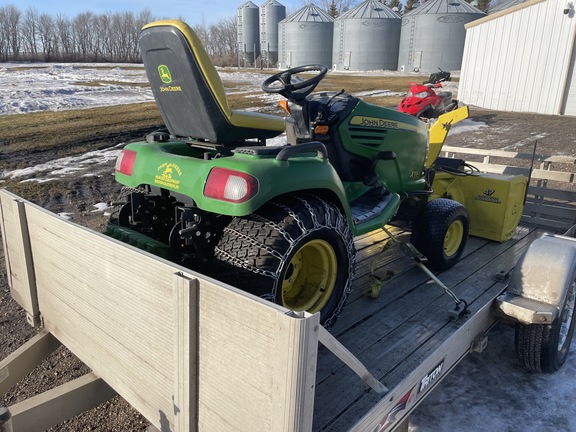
(189, 92)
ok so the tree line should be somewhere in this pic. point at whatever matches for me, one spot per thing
(90, 37)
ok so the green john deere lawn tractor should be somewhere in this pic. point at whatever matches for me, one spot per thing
(277, 221)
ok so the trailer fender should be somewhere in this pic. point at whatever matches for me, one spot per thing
(539, 283)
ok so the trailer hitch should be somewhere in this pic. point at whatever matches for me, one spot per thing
(461, 306)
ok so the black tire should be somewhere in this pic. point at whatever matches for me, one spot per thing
(440, 232)
(544, 348)
(272, 252)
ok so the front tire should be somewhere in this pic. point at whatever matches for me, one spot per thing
(296, 251)
(440, 232)
(544, 348)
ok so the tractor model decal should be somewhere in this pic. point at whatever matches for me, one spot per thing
(488, 196)
(168, 175)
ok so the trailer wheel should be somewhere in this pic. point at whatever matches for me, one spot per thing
(440, 232)
(544, 348)
(294, 251)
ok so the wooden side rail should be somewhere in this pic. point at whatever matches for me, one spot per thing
(187, 352)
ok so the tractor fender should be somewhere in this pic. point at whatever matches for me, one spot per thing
(540, 281)
(280, 176)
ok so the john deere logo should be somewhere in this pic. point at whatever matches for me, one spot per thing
(165, 74)
(168, 174)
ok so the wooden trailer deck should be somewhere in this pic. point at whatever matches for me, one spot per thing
(225, 360)
(395, 333)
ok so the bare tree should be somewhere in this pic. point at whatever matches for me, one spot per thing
(82, 28)
(29, 31)
(219, 41)
(48, 36)
(10, 37)
(65, 35)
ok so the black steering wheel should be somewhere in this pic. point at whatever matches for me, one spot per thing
(298, 89)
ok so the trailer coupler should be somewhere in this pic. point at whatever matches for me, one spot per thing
(461, 306)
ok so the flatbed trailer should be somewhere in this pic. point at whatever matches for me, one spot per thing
(190, 353)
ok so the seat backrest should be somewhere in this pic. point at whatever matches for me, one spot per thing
(188, 89)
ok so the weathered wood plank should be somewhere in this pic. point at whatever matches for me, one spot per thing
(22, 361)
(21, 277)
(263, 364)
(565, 195)
(186, 354)
(387, 339)
(512, 155)
(553, 211)
(141, 328)
(54, 406)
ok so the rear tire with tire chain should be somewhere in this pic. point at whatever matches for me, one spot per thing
(296, 251)
(440, 232)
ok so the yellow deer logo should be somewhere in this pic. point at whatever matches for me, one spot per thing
(165, 75)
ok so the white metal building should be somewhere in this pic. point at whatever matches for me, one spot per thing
(522, 59)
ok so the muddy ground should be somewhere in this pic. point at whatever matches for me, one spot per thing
(77, 195)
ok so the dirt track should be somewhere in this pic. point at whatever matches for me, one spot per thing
(510, 131)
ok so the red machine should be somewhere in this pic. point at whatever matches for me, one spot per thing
(422, 101)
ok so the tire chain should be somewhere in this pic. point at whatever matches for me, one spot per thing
(344, 234)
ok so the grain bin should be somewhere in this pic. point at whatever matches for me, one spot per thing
(503, 5)
(248, 33)
(433, 35)
(305, 37)
(367, 37)
(271, 13)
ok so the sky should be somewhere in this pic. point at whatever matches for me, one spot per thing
(194, 12)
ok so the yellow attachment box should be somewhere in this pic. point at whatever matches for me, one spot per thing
(495, 202)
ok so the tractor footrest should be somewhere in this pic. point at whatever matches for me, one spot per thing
(370, 205)
(139, 240)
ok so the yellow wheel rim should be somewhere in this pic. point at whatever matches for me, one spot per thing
(310, 277)
(453, 238)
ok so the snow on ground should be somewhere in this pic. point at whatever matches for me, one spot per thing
(488, 391)
(43, 86)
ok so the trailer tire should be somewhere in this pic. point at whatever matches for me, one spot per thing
(544, 348)
(440, 232)
(296, 251)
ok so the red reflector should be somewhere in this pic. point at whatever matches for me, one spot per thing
(125, 162)
(228, 185)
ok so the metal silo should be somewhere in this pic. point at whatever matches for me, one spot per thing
(503, 5)
(248, 35)
(305, 37)
(271, 13)
(367, 37)
(433, 35)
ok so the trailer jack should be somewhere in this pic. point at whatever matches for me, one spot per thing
(461, 306)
